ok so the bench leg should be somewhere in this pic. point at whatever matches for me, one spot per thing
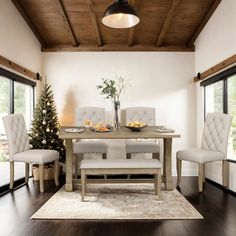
(104, 156)
(157, 183)
(128, 156)
(83, 184)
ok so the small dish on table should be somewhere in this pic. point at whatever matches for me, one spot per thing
(74, 130)
(136, 126)
(101, 128)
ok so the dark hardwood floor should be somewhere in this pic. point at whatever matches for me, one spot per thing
(217, 207)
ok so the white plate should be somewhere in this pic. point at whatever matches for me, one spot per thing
(165, 130)
(74, 130)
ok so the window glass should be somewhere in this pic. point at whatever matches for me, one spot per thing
(23, 101)
(232, 111)
(214, 97)
(4, 110)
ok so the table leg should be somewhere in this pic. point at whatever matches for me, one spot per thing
(168, 164)
(69, 166)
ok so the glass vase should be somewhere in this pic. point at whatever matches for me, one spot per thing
(116, 124)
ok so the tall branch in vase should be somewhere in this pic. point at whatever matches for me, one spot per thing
(112, 89)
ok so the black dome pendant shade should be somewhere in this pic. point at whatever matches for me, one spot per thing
(120, 15)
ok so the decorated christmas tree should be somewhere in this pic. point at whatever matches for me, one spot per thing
(45, 125)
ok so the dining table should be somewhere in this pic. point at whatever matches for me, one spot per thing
(149, 132)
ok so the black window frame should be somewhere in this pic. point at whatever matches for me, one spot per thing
(20, 79)
(222, 76)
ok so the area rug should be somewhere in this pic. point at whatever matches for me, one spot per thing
(117, 202)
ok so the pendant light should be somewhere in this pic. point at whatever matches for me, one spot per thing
(120, 15)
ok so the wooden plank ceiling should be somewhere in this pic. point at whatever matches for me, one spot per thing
(75, 25)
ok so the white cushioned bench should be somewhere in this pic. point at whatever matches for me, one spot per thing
(121, 166)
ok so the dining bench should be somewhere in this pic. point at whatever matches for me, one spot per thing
(121, 166)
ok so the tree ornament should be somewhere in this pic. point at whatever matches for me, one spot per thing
(45, 125)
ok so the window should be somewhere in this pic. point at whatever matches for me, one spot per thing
(220, 96)
(16, 96)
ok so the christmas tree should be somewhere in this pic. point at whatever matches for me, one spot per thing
(45, 125)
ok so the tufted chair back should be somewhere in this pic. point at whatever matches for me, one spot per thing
(144, 114)
(95, 114)
(216, 132)
(17, 137)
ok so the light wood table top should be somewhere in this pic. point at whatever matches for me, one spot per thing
(123, 133)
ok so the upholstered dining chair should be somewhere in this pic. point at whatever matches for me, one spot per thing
(96, 115)
(213, 148)
(148, 116)
(19, 150)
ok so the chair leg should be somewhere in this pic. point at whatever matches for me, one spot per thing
(200, 177)
(11, 174)
(128, 155)
(159, 184)
(26, 173)
(225, 173)
(104, 156)
(76, 156)
(179, 170)
(204, 173)
(83, 184)
(156, 155)
(41, 177)
(56, 172)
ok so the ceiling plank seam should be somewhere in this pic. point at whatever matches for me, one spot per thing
(95, 23)
(26, 17)
(167, 22)
(64, 15)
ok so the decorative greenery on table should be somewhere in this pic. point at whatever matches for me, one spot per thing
(45, 125)
(112, 89)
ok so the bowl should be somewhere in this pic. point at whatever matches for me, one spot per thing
(136, 128)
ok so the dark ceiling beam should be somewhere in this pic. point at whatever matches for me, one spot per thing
(203, 23)
(122, 47)
(132, 30)
(26, 17)
(95, 22)
(64, 15)
(167, 22)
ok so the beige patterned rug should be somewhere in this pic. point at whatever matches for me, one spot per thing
(117, 201)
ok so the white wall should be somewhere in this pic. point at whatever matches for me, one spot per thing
(215, 43)
(161, 80)
(17, 42)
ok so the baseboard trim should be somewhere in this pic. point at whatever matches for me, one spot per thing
(221, 187)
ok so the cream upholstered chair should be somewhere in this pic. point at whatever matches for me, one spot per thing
(19, 150)
(148, 116)
(96, 115)
(214, 148)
